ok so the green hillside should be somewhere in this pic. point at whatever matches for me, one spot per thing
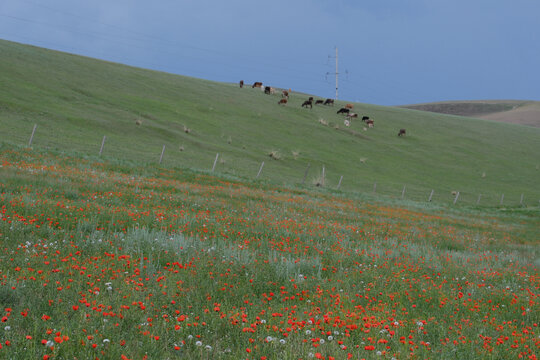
(75, 101)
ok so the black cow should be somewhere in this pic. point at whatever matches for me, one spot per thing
(317, 102)
(267, 90)
(402, 132)
(343, 111)
(364, 118)
(308, 103)
(329, 102)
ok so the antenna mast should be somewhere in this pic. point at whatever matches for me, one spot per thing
(336, 73)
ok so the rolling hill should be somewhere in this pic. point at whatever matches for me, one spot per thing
(76, 101)
(521, 112)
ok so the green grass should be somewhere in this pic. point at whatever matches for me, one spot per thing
(75, 101)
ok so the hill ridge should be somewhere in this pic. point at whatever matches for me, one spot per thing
(76, 101)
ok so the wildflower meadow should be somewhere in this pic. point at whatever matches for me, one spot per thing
(103, 260)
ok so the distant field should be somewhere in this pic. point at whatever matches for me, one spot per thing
(509, 111)
(76, 101)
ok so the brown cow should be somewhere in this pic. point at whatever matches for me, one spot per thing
(241, 84)
(402, 132)
(370, 123)
(282, 102)
(257, 84)
(349, 106)
(285, 94)
(352, 115)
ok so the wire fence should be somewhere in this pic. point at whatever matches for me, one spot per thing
(317, 175)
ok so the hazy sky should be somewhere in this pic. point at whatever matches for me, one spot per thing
(390, 51)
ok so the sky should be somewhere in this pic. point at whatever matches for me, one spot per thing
(390, 52)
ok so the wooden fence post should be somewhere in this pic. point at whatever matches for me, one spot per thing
(339, 183)
(260, 169)
(32, 136)
(431, 195)
(102, 145)
(162, 152)
(457, 196)
(305, 173)
(403, 192)
(215, 162)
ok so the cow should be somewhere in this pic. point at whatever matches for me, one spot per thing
(352, 115)
(364, 118)
(402, 132)
(257, 84)
(282, 102)
(308, 103)
(370, 123)
(317, 102)
(267, 90)
(285, 94)
(349, 106)
(310, 98)
(329, 102)
(343, 111)
(241, 84)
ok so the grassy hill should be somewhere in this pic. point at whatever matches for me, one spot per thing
(75, 101)
(510, 111)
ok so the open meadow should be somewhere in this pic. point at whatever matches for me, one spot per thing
(117, 241)
(113, 260)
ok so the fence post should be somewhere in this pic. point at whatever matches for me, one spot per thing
(479, 197)
(521, 201)
(457, 196)
(32, 136)
(374, 188)
(431, 195)
(403, 192)
(305, 173)
(215, 162)
(502, 199)
(162, 152)
(102, 145)
(339, 183)
(260, 169)
(323, 175)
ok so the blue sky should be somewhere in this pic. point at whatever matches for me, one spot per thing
(391, 52)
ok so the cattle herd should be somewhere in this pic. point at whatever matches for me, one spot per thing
(346, 110)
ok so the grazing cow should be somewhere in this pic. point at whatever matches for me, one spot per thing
(257, 84)
(317, 102)
(349, 106)
(241, 84)
(285, 94)
(267, 90)
(370, 123)
(308, 103)
(343, 111)
(401, 132)
(364, 118)
(352, 115)
(282, 102)
(329, 102)
(310, 98)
